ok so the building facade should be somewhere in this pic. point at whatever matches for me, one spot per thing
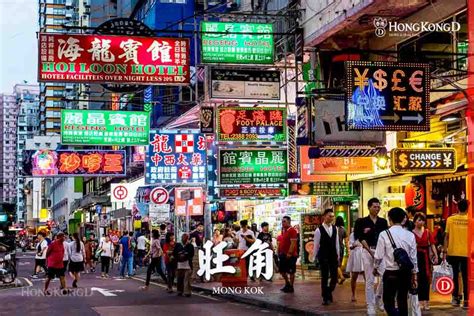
(8, 158)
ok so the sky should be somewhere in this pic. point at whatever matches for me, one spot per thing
(18, 43)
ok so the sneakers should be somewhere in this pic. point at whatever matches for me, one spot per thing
(34, 276)
(455, 301)
(379, 303)
(289, 289)
(465, 305)
(371, 311)
(283, 289)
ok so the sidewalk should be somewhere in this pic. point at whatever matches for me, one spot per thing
(307, 298)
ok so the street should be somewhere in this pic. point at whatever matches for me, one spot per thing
(96, 296)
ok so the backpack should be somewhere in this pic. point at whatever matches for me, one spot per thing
(400, 255)
(48, 241)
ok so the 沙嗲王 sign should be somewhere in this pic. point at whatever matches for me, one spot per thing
(108, 128)
(236, 43)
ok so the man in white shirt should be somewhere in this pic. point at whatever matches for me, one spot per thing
(141, 248)
(326, 250)
(246, 239)
(396, 282)
(40, 257)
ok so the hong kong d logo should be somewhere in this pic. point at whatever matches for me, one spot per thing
(380, 26)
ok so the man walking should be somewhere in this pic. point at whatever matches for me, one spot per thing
(399, 276)
(141, 249)
(246, 238)
(455, 245)
(367, 230)
(184, 252)
(288, 254)
(126, 255)
(54, 256)
(326, 250)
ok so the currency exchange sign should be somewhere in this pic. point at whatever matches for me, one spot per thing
(113, 59)
(108, 128)
(435, 160)
(237, 43)
(253, 166)
(176, 158)
(387, 96)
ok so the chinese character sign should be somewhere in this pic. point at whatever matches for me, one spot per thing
(113, 59)
(50, 163)
(253, 166)
(244, 43)
(176, 158)
(387, 96)
(251, 124)
(108, 128)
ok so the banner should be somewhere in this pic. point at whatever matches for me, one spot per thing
(108, 128)
(253, 193)
(176, 158)
(245, 84)
(74, 163)
(253, 166)
(387, 96)
(245, 43)
(251, 124)
(113, 59)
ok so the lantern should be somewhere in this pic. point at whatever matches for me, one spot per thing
(415, 196)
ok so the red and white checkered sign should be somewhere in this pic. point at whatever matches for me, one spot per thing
(184, 143)
(195, 206)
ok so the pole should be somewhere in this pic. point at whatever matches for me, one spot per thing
(187, 216)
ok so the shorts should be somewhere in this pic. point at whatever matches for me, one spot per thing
(40, 262)
(65, 263)
(76, 266)
(287, 265)
(55, 272)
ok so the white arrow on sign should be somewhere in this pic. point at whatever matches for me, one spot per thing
(106, 292)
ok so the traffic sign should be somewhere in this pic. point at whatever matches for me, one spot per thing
(444, 285)
(428, 160)
(159, 195)
(120, 193)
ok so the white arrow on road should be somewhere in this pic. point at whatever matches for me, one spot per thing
(106, 292)
(24, 263)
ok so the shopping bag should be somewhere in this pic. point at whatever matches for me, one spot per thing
(439, 271)
(414, 308)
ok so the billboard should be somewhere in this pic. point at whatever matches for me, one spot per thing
(174, 157)
(253, 166)
(74, 163)
(113, 59)
(251, 124)
(252, 193)
(108, 128)
(245, 84)
(387, 96)
(244, 43)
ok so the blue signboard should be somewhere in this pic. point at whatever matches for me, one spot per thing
(176, 157)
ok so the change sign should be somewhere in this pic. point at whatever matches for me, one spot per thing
(436, 160)
(113, 59)
(387, 96)
(253, 166)
(87, 127)
(245, 43)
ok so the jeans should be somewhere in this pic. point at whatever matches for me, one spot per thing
(459, 264)
(105, 264)
(328, 270)
(127, 261)
(155, 264)
(184, 281)
(396, 283)
(171, 271)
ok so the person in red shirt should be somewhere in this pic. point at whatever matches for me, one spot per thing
(54, 257)
(288, 254)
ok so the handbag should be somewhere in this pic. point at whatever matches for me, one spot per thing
(439, 271)
(414, 308)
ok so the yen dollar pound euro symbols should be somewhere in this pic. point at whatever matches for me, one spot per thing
(403, 160)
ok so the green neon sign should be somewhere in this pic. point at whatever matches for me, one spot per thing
(253, 46)
(108, 128)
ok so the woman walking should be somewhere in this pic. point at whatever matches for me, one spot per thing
(107, 250)
(341, 232)
(155, 253)
(355, 264)
(76, 256)
(426, 254)
(170, 260)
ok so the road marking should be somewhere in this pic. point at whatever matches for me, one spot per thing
(28, 281)
(165, 287)
(106, 292)
(24, 263)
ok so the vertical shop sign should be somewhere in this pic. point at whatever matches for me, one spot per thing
(207, 119)
(309, 223)
(176, 158)
(293, 170)
(302, 121)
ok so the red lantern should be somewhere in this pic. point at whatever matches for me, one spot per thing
(415, 196)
